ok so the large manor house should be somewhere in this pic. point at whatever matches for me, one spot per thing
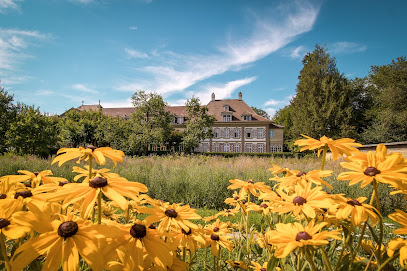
(237, 127)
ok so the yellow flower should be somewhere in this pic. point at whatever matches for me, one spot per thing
(314, 176)
(104, 172)
(34, 178)
(357, 211)
(304, 200)
(258, 267)
(398, 244)
(68, 238)
(287, 237)
(247, 186)
(171, 215)
(238, 264)
(338, 147)
(8, 225)
(400, 217)
(115, 189)
(217, 240)
(99, 154)
(188, 239)
(139, 239)
(390, 169)
(277, 169)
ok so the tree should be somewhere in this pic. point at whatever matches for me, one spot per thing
(389, 112)
(261, 112)
(150, 121)
(198, 124)
(33, 132)
(115, 132)
(7, 115)
(323, 102)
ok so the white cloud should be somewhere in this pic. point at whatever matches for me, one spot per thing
(84, 88)
(297, 52)
(172, 72)
(114, 104)
(221, 91)
(44, 92)
(8, 4)
(346, 47)
(135, 54)
(133, 27)
(271, 111)
(273, 102)
(83, 2)
(272, 106)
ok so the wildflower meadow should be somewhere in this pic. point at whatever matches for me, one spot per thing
(95, 219)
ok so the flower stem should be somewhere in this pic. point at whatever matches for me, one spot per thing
(326, 259)
(90, 167)
(389, 260)
(100, 207)
(4, 252)
(325, 150)
(310, 260)
(358, 245)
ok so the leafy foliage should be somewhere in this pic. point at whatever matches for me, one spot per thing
(261, 112)
(7, 115)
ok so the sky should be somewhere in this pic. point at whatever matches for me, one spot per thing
(58, 54)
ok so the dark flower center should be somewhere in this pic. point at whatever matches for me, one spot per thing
(186, 233)
(263, 205)
(227, 211)
(4, 223)
(236, 263)
(63, 183)
(138, 231)
(67, 229)
(36, 173)
(24, 194)
(236, 198)
(28, 184)
(152, 227)
(299, 200)
(324, 209)
(354, 202)
(244, 202)
(171, 213)
(371, 171)
(3, 196)
(263, 269)
(214, 237)
(250, 181)
(216, 229)
(91, 147)
(301, 173)
(98, 182)
(302, 235)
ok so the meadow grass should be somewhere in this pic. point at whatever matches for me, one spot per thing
(202, 181)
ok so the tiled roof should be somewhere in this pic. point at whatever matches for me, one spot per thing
(237, 107)
(119, 112)
(177, 110)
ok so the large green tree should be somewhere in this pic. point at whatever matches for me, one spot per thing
(150, 122)
(389, 112)
(198, 124)
(33, 132)
(261, 112)
(7, 115)
(323, 102)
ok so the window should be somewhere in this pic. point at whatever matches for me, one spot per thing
(249, 147)
(216, 149)
(226, 132)
(260, 133)
(247, 117)
(205, 147)
(248, 133)
(217, 135)
(236, 133)
(226, 147)
(180, 120)
(260, 147)
(226, 117)
(226, 108)
(271, 133)
(237, 148)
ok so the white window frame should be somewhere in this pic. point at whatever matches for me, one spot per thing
(249, 147)
(226, 118)
(180, 120)
(236, 133)
(260, 147)
(260, 133)
(249, 133)
(216, 147)
(247, 117)
(226, 147)
(271, 133)
(227, 134)
(217, 133)
(236, 148)
(226, 108)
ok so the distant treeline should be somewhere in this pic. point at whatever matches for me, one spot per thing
(371, 110)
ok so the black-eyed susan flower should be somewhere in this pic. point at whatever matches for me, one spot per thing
(142, 241)
(400, 217)
(365, 167)
(175, 215)
(99, 154)
(248, 186)
(30, 179)
(217, 240)
(84, 173)
(191, 239)
(338, 147)
(288, 237)
(356, 211)
(8, 225)
(69, 237)
(401, 245)
(305, 200)
(115, 189)
(259, 267)
(237, 264)
(299, 177)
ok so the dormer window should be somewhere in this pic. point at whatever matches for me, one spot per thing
(226, 117)
(247, 117)
(226, 107)
(180, 120)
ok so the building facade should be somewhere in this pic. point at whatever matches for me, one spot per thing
(237, 127)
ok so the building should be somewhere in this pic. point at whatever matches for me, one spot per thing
(237, 127)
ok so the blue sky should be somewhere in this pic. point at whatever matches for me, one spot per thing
(54, 54)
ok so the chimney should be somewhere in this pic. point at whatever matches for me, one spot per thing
(240, 96)
(83, 102)
(213, 97)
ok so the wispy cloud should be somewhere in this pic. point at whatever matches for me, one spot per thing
(114, 104)
(84, 88)
(346, 47)
(8, 4)
(174, 72)
(44, 92)
(131, 53)
(297, 52)
(133, 27)
(83, 2)
(272, 106)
